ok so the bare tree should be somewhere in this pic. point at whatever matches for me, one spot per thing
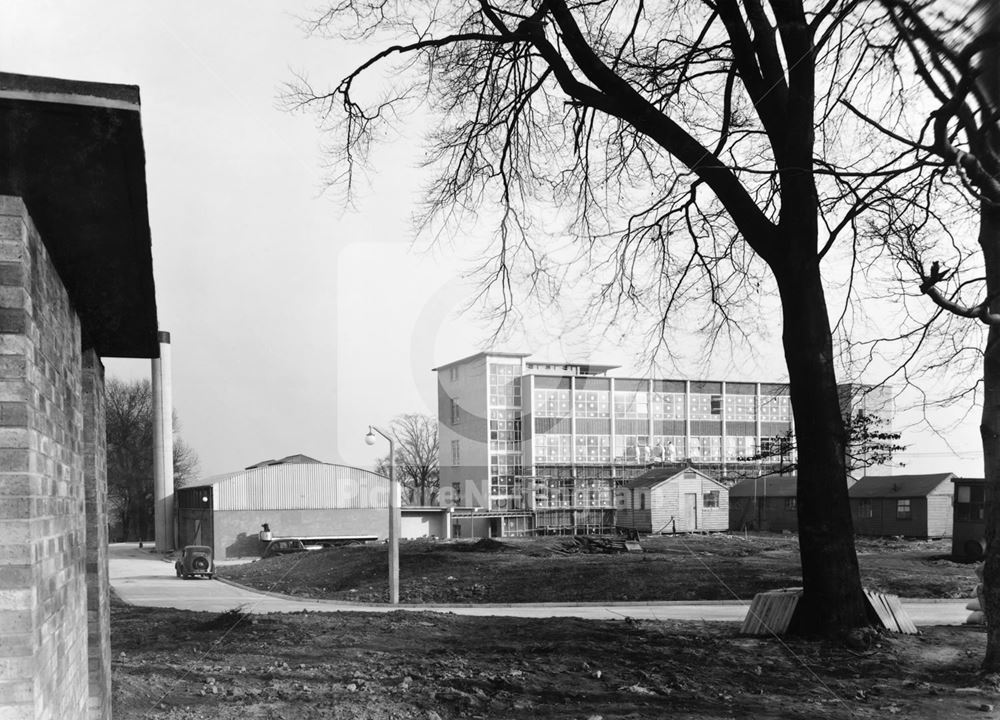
(129, 423)
(416, 457)
(693, 149)
(954, 49)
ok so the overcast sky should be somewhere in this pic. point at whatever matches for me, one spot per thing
(295, 323)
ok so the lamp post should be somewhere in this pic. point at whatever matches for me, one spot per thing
(394, 521)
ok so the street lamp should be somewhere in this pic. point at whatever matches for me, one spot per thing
(394, 521)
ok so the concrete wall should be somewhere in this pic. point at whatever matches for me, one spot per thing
(415, 525)
(473, 485)
(235, 531)
(44, 621)
(468, 384)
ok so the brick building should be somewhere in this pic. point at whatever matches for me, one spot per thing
(76, 285)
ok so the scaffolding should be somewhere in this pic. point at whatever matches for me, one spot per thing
(571, 505)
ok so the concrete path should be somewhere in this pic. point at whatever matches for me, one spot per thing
(146, 579)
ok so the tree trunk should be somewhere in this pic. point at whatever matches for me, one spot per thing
(989, 428)
(989, 239)
(833, 600)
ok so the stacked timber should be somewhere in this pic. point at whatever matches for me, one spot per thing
(771, 612)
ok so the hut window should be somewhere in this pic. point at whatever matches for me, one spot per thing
(903, 511)
(790, 503)
(865, 509)
(711, 499)
(642, 501)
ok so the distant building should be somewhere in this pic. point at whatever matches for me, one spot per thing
(968, 539)
(666, 500)
(881, 505)
(529, 446)
(295, 499)
(764, 503)
(916, 506)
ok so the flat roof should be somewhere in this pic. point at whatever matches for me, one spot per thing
(589, 368)
(73, 152)
(586, 368)
(476, 356)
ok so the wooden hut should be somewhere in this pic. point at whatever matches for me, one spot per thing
(918, 506)
(764, 503)
(667, 500)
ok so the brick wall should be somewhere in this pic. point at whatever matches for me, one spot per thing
(43, 473)
(95, 472)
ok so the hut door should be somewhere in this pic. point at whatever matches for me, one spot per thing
(691, 511)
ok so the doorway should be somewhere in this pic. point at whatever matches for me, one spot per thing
(691, 511)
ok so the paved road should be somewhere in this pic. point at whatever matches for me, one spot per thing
(143, 578)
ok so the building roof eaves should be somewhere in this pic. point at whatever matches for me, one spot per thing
(72, 156)
(872, 486)
(766, 486)
(476, 356)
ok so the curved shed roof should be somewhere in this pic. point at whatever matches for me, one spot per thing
(299, 486)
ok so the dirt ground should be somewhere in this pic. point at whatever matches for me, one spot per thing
(353, 666)
(555, 569)
(178, 664)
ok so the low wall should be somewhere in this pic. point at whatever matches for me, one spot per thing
(235, 531)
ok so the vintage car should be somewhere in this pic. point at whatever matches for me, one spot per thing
(195, 560)
(285, 546)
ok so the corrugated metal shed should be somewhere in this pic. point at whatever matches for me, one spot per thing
(299, 486)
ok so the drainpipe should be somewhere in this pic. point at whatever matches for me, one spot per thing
(163, 447)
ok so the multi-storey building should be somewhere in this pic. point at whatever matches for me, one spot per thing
(537, 446)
